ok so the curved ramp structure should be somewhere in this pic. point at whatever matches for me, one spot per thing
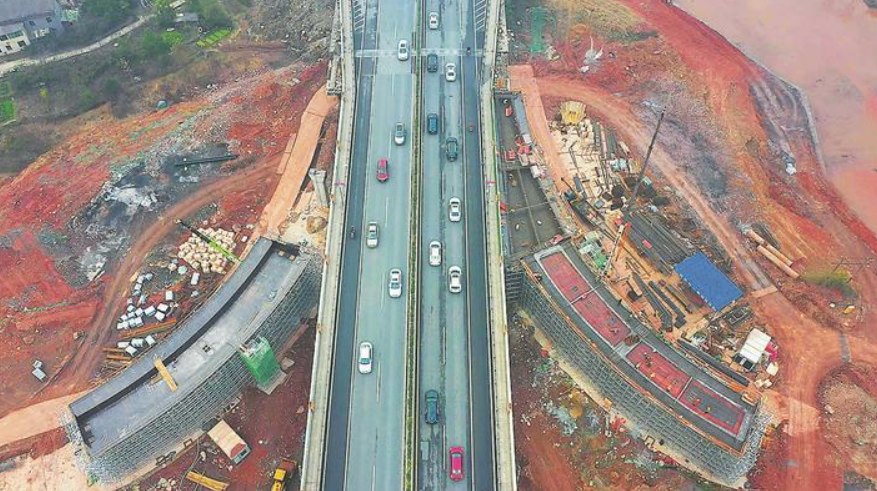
(135, 420)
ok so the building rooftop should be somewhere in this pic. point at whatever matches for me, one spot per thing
(702, 276)
(653, 366)
(193, 352)
(12, 11)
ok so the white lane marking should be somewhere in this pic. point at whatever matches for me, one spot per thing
(378, 386)
(387, 209)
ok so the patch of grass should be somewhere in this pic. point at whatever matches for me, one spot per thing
(837, 280)
(7, 111)
(5, 89)
(172, 38)
(213, 38)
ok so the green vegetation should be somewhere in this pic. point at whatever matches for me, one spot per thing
(97, 18)
(7, 111)
(837, 280)
(19, 149)
(173, 38)
(5, 89)
(213, 38)
(211, 14)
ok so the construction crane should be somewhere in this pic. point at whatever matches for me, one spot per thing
(209, 240)
(631, 204)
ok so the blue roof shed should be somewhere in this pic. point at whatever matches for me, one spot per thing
(702, 276)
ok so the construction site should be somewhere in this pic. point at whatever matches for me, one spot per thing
(691, 304)
(714, 255)
(119, 243)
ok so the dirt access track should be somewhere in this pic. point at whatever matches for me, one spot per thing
(729, 93)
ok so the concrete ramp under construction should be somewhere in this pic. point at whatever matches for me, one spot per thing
(136, 420)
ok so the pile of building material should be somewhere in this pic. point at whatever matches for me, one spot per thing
(201, 256)
(772, 254)
(655, 240)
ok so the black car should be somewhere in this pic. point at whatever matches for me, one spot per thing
(451, 149)
(432, 406)
(432, 62)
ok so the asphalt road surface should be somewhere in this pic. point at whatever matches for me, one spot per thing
(365, 434)
(454, 349)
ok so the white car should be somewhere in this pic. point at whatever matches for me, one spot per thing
(395, 283)
(402, 53)
(399, 134)
(455, 210)
(371, 235)
(455, 279)
(435, 253)
(365, 358)
(450, 72)
(433, 20)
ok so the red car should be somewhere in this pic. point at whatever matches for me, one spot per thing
(383, 170)
(456, 472)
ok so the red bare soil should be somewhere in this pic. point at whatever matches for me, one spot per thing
(39, 308)
(723, 100)
(273, 426)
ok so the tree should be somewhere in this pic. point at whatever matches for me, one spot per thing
(164, 13)
(112, 11)
(152, 45)
(211, 15)
(111, 89)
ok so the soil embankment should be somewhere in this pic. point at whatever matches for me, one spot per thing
(827, 49)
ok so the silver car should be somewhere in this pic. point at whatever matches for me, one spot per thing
(455, 210)
(402, 53)
(395, 284)
(435, 253)
(399, 134)
(455, 279)
(371, 235)
(433, 20)
(365, 358)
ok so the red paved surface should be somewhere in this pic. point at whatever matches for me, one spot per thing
(591, 307)
(659, 369)
(711, 407)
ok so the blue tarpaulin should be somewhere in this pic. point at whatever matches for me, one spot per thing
(702, 276)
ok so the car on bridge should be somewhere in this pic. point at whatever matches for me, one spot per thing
(451, 148)
(365, 358)
(432, 63)
(432, 406)
(383, 170)
(371, 235)
(433, 20)
(450, 72)
(395, 284)
(456, 468)
(399, 134)
(455, 210)
(455, 279)
(402, 52)
(435, 253)
(432, 123)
